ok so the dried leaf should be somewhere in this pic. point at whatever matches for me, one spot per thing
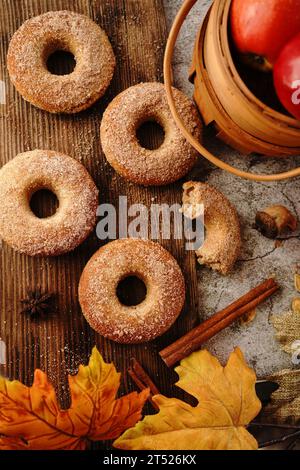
(285, 402)
(227, 403)
(30, 417)
(248, 317)
(296, 305)
(288, 330)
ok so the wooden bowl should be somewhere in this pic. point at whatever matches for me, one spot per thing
(242, 120)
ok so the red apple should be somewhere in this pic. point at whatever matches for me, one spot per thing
(260, 28)
(287, 76)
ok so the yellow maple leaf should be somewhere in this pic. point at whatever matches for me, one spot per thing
(227, 403)
(30, 417)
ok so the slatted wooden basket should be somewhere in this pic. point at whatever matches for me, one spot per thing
(242, 120)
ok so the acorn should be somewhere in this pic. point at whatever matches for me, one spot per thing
(274, 220)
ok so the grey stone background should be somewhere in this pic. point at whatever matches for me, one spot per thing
(259, 258)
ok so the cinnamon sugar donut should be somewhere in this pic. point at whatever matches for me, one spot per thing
(38, 38)
(77, 194)
(113, 263)
(121, 120)
(223, 235)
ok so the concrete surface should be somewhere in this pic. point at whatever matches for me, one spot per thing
(259, 258)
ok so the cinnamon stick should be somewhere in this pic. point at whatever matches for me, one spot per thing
(142, 380)
(209, 328)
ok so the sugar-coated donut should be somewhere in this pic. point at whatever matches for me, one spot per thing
(223, 235)
(121, 120)
(76, 192)
(41, 36)
(116, 261)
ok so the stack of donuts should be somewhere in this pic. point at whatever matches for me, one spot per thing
(77, 194)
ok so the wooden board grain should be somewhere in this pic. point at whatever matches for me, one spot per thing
(63, 340)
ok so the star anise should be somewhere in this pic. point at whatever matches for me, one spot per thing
(37, 303)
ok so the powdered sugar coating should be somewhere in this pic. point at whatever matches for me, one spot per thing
(76, 192)
(38, 38)
(223, 235)
(117, 260)
(125, 114)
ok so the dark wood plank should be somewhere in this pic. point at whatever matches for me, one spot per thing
(59, 343)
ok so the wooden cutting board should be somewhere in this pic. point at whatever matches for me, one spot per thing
(58, 343)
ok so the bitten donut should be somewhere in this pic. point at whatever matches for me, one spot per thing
(115, 262)
(123, 117)
(223, 235)
(38, 38)
(76, 192)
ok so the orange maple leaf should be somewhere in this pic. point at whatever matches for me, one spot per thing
(31, 418)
